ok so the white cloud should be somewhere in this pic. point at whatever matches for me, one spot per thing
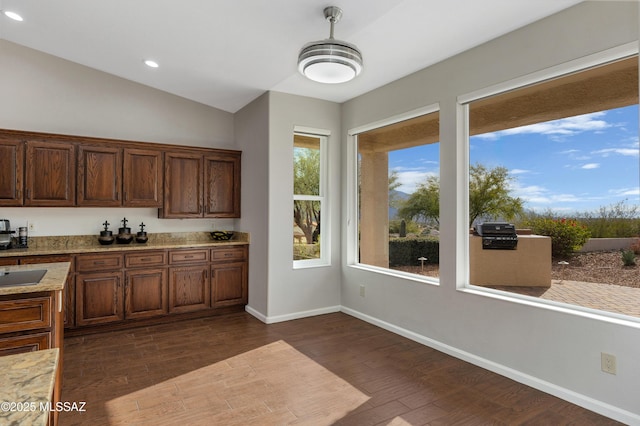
(519, 171)
(627, 152)
(557, 128)
(590, 166)
(409, 179)
(621, 192)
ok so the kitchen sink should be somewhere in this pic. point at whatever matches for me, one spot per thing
(21, 278)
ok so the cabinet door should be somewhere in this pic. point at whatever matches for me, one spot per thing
(69, 296)
(182, 185)
(146, 293)
(222, 185)
(99, 298)
(11, 172)
(189, 288)
(99, 176)
(143, 175)
(50, 174)
(229, 284)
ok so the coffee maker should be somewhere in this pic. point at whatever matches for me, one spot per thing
(5, 234)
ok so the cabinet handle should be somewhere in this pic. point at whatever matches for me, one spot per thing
(228, 254)
(28, 193)
(144, 260)
(189, 256)
(206, 274)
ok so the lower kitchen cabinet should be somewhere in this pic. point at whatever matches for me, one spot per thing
(189, 288)
(146, 293)
(99, 298)
(229, 284)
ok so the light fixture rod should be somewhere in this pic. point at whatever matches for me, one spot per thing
(333, 15)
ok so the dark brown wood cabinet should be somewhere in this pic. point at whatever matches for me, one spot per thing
(146, 287)
(222, 185)
(201, 185)
(50, 179)
(189, 286)
(68, 294)
(11, 172)
(142, 178)
(99, 289)
(112, 177)
(99, 176)
(183, 185)
(229, 276)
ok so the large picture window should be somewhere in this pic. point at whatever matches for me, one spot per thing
(559, 159)
(398, 191)
(310, 245)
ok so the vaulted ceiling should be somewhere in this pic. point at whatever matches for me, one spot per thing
(225, 53)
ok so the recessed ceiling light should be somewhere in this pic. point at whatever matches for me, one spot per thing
(13, 15)
(151, 64)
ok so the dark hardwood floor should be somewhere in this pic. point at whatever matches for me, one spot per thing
(325, 370)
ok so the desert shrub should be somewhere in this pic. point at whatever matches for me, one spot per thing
(306, 251)
(628, 258)
(619, 220)
(567, 235)
(635, 246)
(410, 226)
(406, 251)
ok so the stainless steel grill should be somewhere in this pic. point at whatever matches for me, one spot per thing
(498, 235)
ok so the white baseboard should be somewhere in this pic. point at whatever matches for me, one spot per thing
(255, 313)
(288, 317)
(600, 407)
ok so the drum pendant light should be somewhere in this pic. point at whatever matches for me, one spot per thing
(330, 60)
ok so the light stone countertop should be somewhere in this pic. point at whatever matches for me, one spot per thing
(39, 246)
(27, 381)
(53, 280)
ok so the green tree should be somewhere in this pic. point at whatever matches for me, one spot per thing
(306, 181)
(424, 203)
(489, 196)
(490, 193)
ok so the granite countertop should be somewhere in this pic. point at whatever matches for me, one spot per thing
(53, 280)
(39, 246)
(27, 381)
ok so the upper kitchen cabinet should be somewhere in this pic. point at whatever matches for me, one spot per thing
(99, 176)
(201, 185)
(142, 177)
(50, 174)
(11, 172)
(222, 185)
(104, 182)
(183, 185)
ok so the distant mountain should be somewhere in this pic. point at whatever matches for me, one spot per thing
(396, 195)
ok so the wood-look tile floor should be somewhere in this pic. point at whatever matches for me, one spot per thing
(324, 370)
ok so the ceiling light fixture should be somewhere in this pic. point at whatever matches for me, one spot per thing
(330, 60)
(151, 64)
(13, 15)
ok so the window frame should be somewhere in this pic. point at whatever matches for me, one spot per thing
(325, 244)
(352, 258)
(463, 256)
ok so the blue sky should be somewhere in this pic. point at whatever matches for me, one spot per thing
(574, 164)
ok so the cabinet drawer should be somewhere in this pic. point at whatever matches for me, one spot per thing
(49, 259)
(25, 314)
(99, 262)
(150, 258)
(28, 343)
(188, 256)
(228, 253)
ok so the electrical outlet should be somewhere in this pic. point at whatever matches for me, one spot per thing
(608, 363)
(32, 227)
(361, 291)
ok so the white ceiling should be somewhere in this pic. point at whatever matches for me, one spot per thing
(225, 53)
